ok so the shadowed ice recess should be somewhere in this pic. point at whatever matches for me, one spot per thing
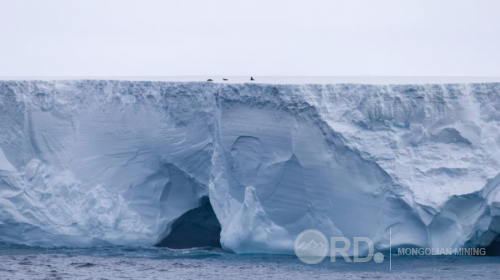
(104, 163)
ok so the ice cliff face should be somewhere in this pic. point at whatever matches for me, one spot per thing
(89, 163)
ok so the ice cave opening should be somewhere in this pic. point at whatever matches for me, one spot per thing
(494, 248)
(198, 227)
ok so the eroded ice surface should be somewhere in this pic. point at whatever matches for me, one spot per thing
(89, 163)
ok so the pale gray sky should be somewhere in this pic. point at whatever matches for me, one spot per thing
(257, 37)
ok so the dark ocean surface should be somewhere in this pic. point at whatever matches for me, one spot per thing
(23, 262)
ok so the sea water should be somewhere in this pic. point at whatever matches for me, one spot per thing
(24, 262)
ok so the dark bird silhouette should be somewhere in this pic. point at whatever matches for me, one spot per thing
(224, 79)
(251, 79)
(209, 80)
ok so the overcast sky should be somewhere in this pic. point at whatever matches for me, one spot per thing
(292, 37)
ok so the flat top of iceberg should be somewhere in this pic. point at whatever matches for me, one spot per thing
(378, 80)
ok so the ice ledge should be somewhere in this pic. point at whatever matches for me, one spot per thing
(373, 80)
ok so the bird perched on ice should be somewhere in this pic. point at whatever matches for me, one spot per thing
(224, 79)
(251, 79)
(209, 80)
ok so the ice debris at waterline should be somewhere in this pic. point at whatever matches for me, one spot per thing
(90, 163)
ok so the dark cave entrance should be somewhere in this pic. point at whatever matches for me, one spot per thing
(494, 248)
(197, 227)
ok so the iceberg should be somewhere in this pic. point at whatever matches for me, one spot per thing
(95, 163)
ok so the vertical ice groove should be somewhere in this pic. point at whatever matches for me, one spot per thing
(87, 163)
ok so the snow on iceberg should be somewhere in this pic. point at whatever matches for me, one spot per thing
(90, 163)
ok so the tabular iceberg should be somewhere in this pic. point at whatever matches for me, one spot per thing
(91, 163)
